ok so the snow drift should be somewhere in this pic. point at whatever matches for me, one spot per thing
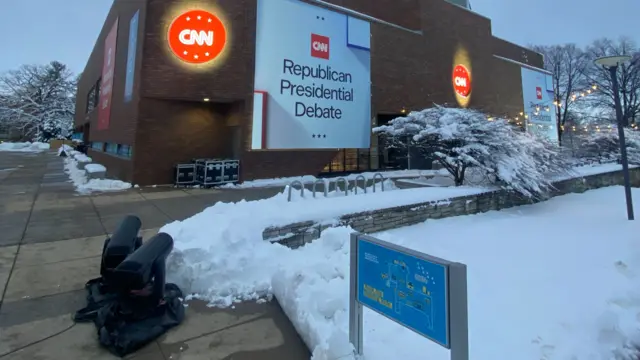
(34, 147)
(539, 287)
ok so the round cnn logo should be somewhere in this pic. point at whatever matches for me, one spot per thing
(197, 36)
(461, 80)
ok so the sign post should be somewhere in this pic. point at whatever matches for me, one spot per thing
(423, 293)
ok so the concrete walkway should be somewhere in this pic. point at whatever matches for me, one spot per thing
(50, 243)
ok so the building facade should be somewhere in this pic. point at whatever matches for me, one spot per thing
(288, 87)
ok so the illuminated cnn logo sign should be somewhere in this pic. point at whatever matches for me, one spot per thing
(461, 80)
(191, 37)
(538, 93)
(197, 36)
(320, 46)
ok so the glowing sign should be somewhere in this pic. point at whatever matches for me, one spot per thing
(462, 76)
(461, 80)
(197, 36)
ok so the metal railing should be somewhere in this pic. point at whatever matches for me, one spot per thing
(324, 186)
(337, 181)
(295, 182)
(364, 184)
(381, 182)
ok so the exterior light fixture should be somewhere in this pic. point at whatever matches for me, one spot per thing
(611, 63)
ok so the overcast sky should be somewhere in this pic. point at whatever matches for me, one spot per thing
(38, 31)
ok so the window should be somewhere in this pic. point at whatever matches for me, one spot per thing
(96, 99)
(98, 146)
(124, 150)
(90, 99)
(112, 148)
(93, 97)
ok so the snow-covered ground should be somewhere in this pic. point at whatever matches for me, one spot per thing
(443, 178)
(34, 147)
(595, 169)
(554, 280)
(277, 211)
(84, 186)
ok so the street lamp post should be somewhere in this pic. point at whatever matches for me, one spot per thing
(611, 63)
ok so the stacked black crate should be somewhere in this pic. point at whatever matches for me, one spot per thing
(231, 171)
(185, 174)
(200, 170)
(213, 172)
(208, 172)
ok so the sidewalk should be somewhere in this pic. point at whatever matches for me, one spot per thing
(50, 243)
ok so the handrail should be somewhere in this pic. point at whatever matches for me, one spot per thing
(295, 182)
(381, 181)
(324, 185)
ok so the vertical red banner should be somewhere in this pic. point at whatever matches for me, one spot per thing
(106, 84)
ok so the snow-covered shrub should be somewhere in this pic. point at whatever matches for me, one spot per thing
(604, 147)
(464, 138)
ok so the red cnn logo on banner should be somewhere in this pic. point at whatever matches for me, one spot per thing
(320, 46)
(539, 92)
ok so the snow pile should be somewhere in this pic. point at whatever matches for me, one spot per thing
(80, 157)
(77, 155)
(66, 149)
(210, 245)
(34, 147)
(95, 168)
(539, 287)
(79, 179)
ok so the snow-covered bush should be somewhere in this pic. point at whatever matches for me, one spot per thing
(461, 138)
(604, 147)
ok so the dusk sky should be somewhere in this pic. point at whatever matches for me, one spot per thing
(38, 31)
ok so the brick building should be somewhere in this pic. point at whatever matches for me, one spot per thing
(165, 109)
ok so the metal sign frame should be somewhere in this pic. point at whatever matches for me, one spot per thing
(457, 338)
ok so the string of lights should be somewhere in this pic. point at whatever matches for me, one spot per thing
(537, 108)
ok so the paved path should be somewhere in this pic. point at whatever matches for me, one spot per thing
(50, 243)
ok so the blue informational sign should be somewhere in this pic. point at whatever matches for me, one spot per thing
(410, 290)
(131, 57)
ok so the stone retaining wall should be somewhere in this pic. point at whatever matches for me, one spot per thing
(298, 234)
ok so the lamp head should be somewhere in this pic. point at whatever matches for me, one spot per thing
(611, 61)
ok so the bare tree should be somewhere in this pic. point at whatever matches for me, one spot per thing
(567, 63)
(628, 76)
(38, 100)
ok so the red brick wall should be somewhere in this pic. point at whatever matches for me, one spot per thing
(123, 116)
(117, 167)
(409, 71)
(516, 52)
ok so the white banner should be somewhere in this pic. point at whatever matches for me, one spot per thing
(313, 74)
